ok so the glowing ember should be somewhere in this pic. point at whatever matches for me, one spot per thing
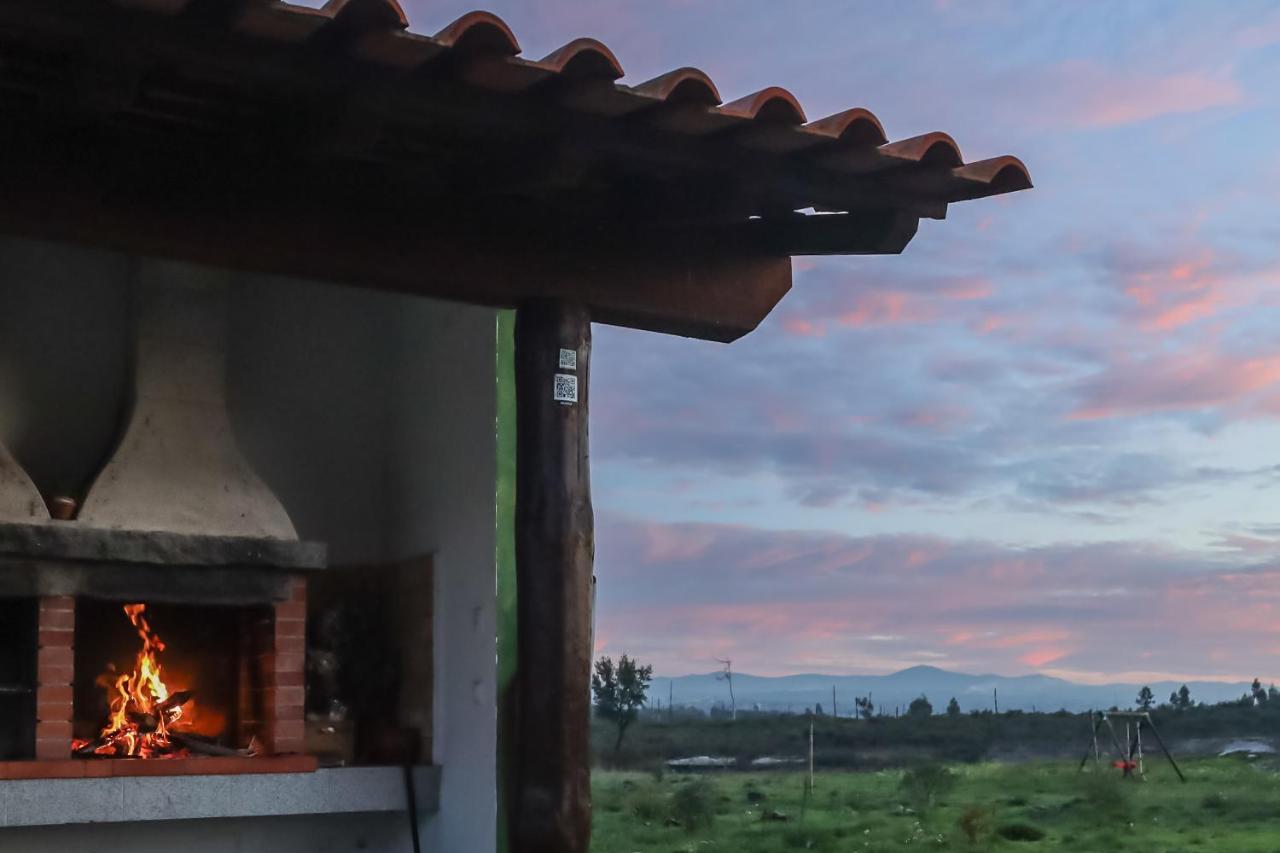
(145, 712)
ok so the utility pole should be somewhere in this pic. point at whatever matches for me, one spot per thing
(810, 755)
(834, 711)
(671, 689)
(727, 675)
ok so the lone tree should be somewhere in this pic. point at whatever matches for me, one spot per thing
(1146, 699)
(620, 692)
(1259, 693)
(920, 707)
(953, 708)
(1180, 699)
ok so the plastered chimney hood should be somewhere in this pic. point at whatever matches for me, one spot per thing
(178, 468)
(20, 501)
(178, 513)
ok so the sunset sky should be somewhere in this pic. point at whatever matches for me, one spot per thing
(1046, 438)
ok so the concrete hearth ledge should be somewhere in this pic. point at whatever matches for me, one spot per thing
(71, 540)
(336, 790)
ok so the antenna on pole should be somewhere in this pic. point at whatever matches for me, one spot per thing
(727, 675)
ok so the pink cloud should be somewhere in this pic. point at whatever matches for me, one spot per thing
(1181, 293)
(992, 323)
(1094, 96)
(778, 602)
(889, 306)
(1187, 381)
(803, 328)
(667, 542)
(1040, 657)
(968, 289)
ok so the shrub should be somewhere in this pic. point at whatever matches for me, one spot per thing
(1215, 802)
(1020, 832)
(923, 785)
(648, 803)
(609, 798)
(975, 823)
(1106, 798)
(693, 804)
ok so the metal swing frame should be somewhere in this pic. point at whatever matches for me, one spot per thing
(1129, 754)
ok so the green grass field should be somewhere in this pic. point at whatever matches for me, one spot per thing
(1226, 806)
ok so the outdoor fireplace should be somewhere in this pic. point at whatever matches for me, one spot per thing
(164, 622)
(154, 591)
(209, 685)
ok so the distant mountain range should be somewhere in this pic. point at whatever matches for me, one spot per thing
(890, 692)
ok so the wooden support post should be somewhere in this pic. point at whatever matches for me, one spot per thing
(1167, 754)
(555, 549)
(1096, 723)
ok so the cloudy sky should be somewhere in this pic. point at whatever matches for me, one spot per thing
(1046, 437)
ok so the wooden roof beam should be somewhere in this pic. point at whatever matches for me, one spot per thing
(717, 291)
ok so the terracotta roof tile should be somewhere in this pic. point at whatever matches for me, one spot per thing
(480, 50)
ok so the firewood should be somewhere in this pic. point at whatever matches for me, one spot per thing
(205, 747)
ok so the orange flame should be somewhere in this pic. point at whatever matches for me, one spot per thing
(144, 711)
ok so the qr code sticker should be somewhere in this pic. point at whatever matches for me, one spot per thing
(566, 388)
(568, 359)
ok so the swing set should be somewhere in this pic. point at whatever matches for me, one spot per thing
(1128, 755)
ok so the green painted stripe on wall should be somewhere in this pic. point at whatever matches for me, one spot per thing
(505, 558)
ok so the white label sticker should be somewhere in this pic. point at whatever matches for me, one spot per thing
(568, 359)
(566, 388)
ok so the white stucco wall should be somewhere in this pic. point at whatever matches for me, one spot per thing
(443, 436)
(373, 419)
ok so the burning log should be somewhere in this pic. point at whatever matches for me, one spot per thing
(176, 700)
(202, 746)
(143, 711)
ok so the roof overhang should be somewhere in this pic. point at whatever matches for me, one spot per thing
(335, 144)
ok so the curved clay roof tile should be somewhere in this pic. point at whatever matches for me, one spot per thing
(371, 13)
(584, 57)
(483, 32)
(855, 126)
(682, 86)
(1005, 174)
(929, 149)
(774, 104)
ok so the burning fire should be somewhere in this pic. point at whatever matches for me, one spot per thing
(146, 716)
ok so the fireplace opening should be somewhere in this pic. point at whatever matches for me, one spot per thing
(158, 681)
(17, 678)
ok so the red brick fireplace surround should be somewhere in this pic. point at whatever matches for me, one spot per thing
(270, 696)
(55, 671)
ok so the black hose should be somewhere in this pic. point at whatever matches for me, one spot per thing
(412, 795)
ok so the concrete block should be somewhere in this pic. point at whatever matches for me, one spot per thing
(46, 802)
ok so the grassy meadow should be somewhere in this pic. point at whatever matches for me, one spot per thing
(1228, 805)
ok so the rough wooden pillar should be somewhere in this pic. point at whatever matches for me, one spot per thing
(555, 548)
